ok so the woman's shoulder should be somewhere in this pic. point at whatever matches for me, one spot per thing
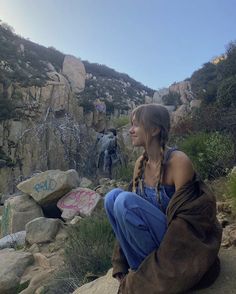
(181, 167)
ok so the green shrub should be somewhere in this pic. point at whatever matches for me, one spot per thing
(87, 105)
(211, 153)
(172, 98)
(226, 93)
(121, 121)
(124, 173)
(87, 253)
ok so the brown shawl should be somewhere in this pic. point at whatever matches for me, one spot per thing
(188, 250)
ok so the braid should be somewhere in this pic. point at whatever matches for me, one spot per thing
(163, 139)
(141, 168)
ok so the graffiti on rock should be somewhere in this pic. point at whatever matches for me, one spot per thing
(47, 185)
(81, 199)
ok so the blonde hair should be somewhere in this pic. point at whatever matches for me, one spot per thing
(151, 116)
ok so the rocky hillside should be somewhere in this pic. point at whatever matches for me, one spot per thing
(54, 109)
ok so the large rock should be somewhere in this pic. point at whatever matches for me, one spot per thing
(180, 113)
(80, 201)
(225, 283)
(184, 90)
(74, 69)
(41, 277)
(157, 97)
(18, 211)
(103, 285)
(49, 186)
(42, 230)
(12, 267)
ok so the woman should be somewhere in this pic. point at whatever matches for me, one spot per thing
(166, 228)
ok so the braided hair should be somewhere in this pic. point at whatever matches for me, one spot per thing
(152, 116)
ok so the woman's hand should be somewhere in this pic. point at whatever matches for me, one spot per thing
(119, 276)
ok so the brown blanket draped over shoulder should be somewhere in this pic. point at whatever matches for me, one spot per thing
(188, 250)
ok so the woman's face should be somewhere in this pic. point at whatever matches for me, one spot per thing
(137, 134)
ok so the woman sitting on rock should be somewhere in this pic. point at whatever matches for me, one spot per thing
(167, 233)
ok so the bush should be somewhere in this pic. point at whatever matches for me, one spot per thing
(87, 105)
(211, 153)
(124, 173)
(226, 94)
(87, 253)
(172, 98)
(120, 121)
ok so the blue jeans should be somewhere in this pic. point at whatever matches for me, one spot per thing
(139, 226)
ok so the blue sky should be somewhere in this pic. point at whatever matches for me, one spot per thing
(157, 42)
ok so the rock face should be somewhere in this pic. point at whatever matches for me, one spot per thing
(18, 211)
(56, 114)
(49, 186)
(184, 89)
(225, 283)
(74, 69)
(12, 267)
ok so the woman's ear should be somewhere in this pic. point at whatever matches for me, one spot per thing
(155, 132)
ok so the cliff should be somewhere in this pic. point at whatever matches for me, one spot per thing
(53, 108)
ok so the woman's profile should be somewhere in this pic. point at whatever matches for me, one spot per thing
(166, 229)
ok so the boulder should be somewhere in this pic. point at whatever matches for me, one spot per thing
(225, 283)
(49, 186)
(74, 69)
(195, 103)
(41, 277)
(12, 267)
(13, 240)
(80, 201)
(85, 183)
(42, 230)
(104, 285)
(18, 211)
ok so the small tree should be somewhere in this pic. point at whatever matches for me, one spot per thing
(172, 98)
(226, 94)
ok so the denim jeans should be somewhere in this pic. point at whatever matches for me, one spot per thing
(139, 225)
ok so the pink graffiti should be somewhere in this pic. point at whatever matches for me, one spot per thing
(79, 199)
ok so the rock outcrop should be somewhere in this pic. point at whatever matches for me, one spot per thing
(74, 69)
(12, 267)
(225, 283)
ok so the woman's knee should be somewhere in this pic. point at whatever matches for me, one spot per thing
(110, 198)
(122, 203)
